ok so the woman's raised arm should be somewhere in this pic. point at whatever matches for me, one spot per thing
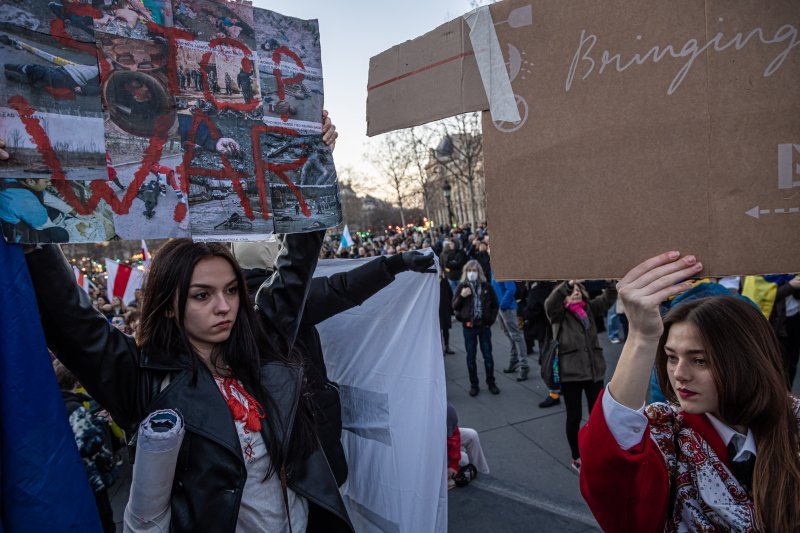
(104, 359)
(641, 291)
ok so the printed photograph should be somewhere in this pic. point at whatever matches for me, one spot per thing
(231, 75)
(318, 167)
(274, 31)
(302, 101)
(51, 77)
(129, 18)
(152, 207)
(39, 16)
(324, 210)
(216, 210)
(33, 211)
(210, 19)
(136, 93)
(82, 157)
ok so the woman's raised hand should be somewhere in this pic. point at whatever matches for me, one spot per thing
(650, 283)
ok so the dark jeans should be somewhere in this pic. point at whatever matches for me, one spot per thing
(471, 338)
(572, 401)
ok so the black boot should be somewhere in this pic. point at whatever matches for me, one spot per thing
(523, 373)
(493, 387)
(448, 351)
(474, 390)
(511, 368)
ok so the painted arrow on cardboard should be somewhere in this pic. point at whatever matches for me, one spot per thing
(756, 212)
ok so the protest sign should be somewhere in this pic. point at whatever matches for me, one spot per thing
(168, 118)
(643, 127)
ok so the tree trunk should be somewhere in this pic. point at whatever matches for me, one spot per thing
(472, 205)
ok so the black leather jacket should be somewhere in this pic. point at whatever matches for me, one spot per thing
(210, 474)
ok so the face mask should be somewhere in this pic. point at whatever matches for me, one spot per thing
(472, 276)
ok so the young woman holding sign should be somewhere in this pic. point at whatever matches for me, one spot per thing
(250, 459)
(722, 455)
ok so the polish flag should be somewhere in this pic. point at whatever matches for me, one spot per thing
(122, 280)
(145, 256)
(82, 279)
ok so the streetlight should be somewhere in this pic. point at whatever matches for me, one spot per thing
(447, 190)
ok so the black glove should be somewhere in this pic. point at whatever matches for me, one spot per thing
(417, 261)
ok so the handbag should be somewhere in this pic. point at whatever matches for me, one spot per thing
(549, 363)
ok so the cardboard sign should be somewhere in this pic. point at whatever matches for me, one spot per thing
(167, 118)
(645, 127)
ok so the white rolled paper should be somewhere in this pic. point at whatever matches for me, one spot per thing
(158, 443)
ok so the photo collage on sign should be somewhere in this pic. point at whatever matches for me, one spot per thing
(290, 68)
(117, 132)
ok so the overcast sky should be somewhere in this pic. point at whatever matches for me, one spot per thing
(352, 31)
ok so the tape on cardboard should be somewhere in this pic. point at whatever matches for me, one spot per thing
(491, 65)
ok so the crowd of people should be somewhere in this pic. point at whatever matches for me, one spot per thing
(720, 454)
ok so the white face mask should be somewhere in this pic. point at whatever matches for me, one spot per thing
(472, 276)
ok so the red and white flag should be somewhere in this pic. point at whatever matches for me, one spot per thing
(122, 281)
(82, 279)
(145, 256)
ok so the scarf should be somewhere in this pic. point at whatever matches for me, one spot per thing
(579, 310)
(477, 301)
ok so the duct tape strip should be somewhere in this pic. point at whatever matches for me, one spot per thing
(492, 66)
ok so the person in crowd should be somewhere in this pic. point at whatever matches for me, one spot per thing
(722, 455)
(538, 328)
(777, 297)
(75, 79)
(475, 305)
(250, 459)
(613, 325)
(481, 254)
(453, 260)
(445, 312)
(89, 431)
(25, 215)
(506, 295)
(582, 366)
(463, 447)
(327, 296)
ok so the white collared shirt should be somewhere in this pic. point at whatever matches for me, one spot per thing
(628, 427)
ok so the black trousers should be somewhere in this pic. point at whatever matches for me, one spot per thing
(572, 392)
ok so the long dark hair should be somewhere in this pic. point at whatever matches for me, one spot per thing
(248, 347)
(745, 359)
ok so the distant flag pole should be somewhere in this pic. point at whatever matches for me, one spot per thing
(145, 256)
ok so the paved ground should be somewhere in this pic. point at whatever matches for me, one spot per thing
(531, 486)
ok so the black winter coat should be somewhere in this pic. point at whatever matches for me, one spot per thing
(125, 380)
(329, 296)
(538, 326)
(445, 304)
(453, 262)
(463, 306)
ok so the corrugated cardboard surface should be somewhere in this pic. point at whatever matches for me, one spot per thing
(615, 169)
(441, 71)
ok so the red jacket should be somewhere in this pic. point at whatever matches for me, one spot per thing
(630, 490)
(454, 449)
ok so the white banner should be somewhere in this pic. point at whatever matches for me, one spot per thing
(387, 357)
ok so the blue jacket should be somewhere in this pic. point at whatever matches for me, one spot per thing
(506, 290)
